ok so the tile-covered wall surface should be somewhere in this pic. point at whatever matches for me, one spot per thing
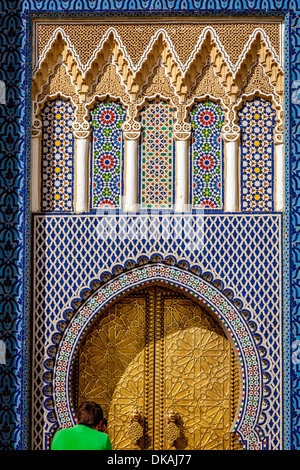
(243, 252)
(255, 255)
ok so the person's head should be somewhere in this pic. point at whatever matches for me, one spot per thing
(90, 413)
(103, 427)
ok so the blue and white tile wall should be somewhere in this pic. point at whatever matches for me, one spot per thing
(241, 252)
(16, 223)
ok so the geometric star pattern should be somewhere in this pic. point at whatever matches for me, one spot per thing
(206, 119)
(257, 120)
(107, 118)
(156, 155)
(57, 156)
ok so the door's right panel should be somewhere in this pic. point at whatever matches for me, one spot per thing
(197, 376)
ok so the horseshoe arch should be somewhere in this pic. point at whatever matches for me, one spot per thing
(234, 324)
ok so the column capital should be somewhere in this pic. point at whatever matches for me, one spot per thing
(279, 138)
(231, 132)
(182, 131)
(36, 129)
(131, 135)
(131, 130)
(81, 130)
(230, 136)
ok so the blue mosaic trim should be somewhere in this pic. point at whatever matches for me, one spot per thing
(161, 5)
(286, 343)
(14, 176)
(292, 232)
(14, 215)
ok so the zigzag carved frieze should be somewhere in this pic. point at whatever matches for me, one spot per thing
(111, 71)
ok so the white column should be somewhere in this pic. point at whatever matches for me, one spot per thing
(231, 174)
(181, 175)
(81, 166)
(131, 169)
(279, 177)
(36, 172)
(81, 174)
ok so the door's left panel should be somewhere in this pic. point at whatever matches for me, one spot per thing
(113, 367)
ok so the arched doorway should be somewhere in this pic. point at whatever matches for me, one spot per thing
(163, 370)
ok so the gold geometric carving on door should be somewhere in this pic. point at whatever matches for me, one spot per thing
(163, 371)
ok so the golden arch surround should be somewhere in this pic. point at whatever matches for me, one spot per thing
(234, 324)
(153, 353)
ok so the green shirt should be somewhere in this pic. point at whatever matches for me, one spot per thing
(80, 437)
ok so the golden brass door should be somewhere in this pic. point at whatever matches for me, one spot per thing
(163, 371)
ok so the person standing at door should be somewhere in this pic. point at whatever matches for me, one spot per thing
(103, 425)
(86, 434)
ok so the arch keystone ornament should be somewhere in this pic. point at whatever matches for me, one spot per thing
(236, 328)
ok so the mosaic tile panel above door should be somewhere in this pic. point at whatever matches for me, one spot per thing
(257, 121)
(107, 118)
(207, 119)
(57, 162)
(156, 155)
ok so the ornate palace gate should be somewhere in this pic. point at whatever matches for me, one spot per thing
(80, 169)
(158, 156)
(163, 370)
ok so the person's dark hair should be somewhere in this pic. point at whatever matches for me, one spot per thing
(89, 413)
